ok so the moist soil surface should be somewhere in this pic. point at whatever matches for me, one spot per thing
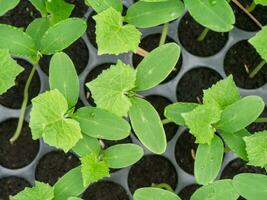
(188, 32)
(11, 185)
(255, 127)
(105, 190)
(91, 29)
(191, 85)
(188, 191)
(14, 96)
(151, 42)
(54, 165)
(241, 59)
(22, 152)
(152, 169)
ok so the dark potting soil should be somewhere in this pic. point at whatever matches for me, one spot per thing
(91, 29)
(241, 56)
(78, 52)
(255, 127)
(22, 152)
(151, 42)
(152, 169)
(21, 16)
(54, 165)
(192, 84)
(80, 8)
(244, 22)
(188, 191)
(14, 96)
(159, 104)
(188, 32)
(105, 190)
(11, 185)
(185, 151)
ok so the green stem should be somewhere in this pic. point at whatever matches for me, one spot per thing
(261, 120)
(166, 121)
(164, 34)
(257, 69)
(164, 186)
(251, 7)
(203, 35)
(23, 106)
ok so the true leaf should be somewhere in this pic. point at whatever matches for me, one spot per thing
(259, 41)
(48, 120)
(109, 88)
(101, 5)
(9, 69)
(147, 125)
(262, 2)
(7, 5)
(112, 36)
(150, 193)
(152, 70)
(40, 6)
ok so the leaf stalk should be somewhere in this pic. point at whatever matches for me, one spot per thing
(164, 34)
(257, 69)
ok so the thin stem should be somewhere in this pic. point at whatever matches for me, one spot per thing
(164, 34)
(23, 106)
(251, 7)
(164, 186)
(141, 52)
(261, 120)
(166, 121)
(257, 69)
(203, 35)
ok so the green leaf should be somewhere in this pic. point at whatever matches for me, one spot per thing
(200, 121)
(18, 42)
(9, 69)
(74, 198)
(174, 111)
(240, 114)
(236, 142)
(208, 161)
(99, 123)
(7, 5)
(251, 186)
(112, 36)
(150, 14)
(150, 193)
(48, 120)
(109, 88)
(216, 15)
(40, 6)
(101, 5)
(62, 34)
(262, 2)
(147, 125)
(63, 76)
(93, 169)
(40, 191)
(259, 42)
(223, 92)
(152, 70)
(219, 190)
(256, 146)
(153, 0)
(122, 155)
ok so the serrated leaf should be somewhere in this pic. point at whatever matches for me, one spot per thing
(259, 42)
(109, 88)
(47, 120)
(40, 6)
(150, 193)
(112, 36)
(101, 5)
(256, 146)
(93, 169)
(262, 2)
(40, 191)
(223, 92)
(9, 69)
(61, 35)
(200, 121)
(7, 5)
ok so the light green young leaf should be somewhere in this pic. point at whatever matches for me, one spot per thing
(74, 198)
(122, 155)
(240, 114)
(262, 2)
(200, 121)
(112, 36)
(48, 120)
(40, 6)
(151, 193)
(208, 161)
(62, 34)
(40, 191)
(18, 42)
(153, 0)
(259, 42)
(216, 15)
(150, 14)
(9, 69)
(223, 92)
(101, 5)
(152, 70)
(63, 76)
(256, 146)
(99, 123)
(7, 5)
(93, 169)
(109, 88)
(251, 186)
(147, 125)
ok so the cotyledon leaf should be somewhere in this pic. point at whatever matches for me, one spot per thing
(150, 193)
(7, 5)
